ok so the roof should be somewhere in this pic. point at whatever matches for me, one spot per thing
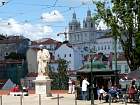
(96, 66)
(88, 70)
(32, 74)
(12, 39)
(45, 41)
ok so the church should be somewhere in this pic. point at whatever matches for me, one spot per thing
(84, 37)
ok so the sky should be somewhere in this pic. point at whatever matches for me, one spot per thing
(36, 19)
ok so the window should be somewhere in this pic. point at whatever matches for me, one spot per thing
(70, 27)
(65, 55)
(105, 47)
(108, 47)
(85, 25)
(58, 55)
(98, 47)
(119, 67)
(126, 69)
(91, 25)
(69, 55)
(101, 47)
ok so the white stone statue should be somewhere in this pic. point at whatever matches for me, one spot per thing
(43, 58)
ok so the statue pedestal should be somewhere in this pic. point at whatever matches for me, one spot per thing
(43, 85)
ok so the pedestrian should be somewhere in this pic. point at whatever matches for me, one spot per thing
(73, 86)
(70, 86)
(85, 83)
(101, 94)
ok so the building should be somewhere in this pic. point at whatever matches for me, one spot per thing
(16, 44)
(122, 66)
(48, 43)
(106, 45)
(73, 56)
(84, 37)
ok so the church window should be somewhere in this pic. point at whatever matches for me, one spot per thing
(85, 25)
(70, 27)
(69, 55)
(65, 55)
(58, 55)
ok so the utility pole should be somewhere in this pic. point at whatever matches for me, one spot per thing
(92, 80)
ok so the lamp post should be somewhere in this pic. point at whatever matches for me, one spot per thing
(92, 85)
(115, 46)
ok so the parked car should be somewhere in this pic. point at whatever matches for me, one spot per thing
(16, 91)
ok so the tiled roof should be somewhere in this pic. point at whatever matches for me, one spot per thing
(32, 74)
(45, 41)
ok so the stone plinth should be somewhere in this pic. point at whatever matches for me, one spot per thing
(42, 85)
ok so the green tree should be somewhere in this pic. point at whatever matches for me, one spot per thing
(123, 18)
(60, 78)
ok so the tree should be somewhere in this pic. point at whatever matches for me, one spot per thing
(60, 78)
(123, 18)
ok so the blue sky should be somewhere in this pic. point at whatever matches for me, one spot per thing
(37, 19)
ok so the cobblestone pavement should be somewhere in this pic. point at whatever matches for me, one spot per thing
(65, 99)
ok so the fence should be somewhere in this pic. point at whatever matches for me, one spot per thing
(56, 99)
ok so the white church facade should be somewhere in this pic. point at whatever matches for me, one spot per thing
(84, 37)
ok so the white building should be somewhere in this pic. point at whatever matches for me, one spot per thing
(71, 55)
(84, 37)
(122, 65)
(48, 43)
(106, 45)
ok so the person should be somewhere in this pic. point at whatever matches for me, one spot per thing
(101, 94)
(85, 83)
(132, 91)
(70, 86)
(43, 58)
(113, 92)
(73, 86)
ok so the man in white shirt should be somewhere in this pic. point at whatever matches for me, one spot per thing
(85, 83)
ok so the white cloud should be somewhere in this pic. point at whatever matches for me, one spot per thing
(54, 16)
(31, 31)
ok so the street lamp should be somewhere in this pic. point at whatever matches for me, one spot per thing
(92, 85)
(115, 46)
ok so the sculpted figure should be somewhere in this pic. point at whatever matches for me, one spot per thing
(43, 58)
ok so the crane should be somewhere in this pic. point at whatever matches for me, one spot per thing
(63, 33)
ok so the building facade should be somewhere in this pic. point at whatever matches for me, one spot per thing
(16, 44)
(106, 45)
(84, 37)
(71, 55)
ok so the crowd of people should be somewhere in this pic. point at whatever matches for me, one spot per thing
(115, 92)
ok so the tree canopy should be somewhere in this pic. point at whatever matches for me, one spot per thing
(123, 18)
(60, 78)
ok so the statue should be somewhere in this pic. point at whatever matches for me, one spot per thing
(43, 58)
